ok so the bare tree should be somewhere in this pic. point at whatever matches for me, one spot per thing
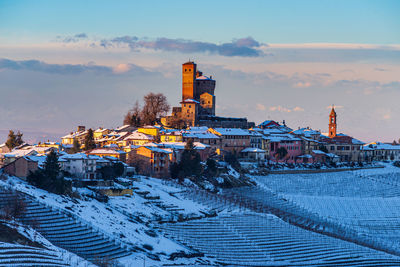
(155, 106)
(133, 117)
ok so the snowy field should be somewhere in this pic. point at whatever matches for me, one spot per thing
(367, 201)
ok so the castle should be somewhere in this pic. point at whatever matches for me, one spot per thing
(198, 103)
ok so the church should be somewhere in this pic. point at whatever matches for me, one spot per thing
(198, 103)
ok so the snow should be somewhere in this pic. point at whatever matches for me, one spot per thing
(127, 219)
(232, 131)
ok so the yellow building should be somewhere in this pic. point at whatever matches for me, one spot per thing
(100, 133)
(149, 130)
(171, 137)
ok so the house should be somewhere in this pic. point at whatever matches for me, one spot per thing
(344, 146)
(380, 151)
(138, 139)
(268, 124)
(177, 148)
(54, 145)
(292, 144)
(21, 167)
(156, 160)
(79, 135)
(100, 133)
(233, 140)
(171, 136)
(202, 135)
(253, 153)
(79, 165)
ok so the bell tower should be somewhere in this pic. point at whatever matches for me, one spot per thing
(332, 123)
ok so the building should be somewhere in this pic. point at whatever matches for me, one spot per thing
(380, 151)
(137, 138)
(332, 123)
(79, 135)
(198, 103)
(233, 140)
(21, 167)
(155, 160)
(79, 165)
(204, 136)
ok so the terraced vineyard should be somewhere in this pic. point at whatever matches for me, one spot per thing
(17, 255)
(261, 240)
(66, 231)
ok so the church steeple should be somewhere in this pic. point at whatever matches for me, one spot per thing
(332, 123)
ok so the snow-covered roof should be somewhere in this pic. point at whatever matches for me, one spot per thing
(205, 135)
(307, 132)
(181, 145)
(267, 122)
(380, 146)
(190, 100)
(232, 131)
(203, 77)
(253, 150)
(319, 152)
(138, 136)
(308, 156)
(39, 159)
(16, 153)
(106, 151)
(76, 156)
(283, 137)
(158, 150)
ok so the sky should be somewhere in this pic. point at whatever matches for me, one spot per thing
(69, 63)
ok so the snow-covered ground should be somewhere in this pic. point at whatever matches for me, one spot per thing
(31, 234)
(367, 201)
(127, 219)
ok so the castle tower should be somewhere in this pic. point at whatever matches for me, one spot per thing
(332, 123)
(189, 70)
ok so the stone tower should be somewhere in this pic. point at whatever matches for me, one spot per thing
(332, 123)
(189, 70)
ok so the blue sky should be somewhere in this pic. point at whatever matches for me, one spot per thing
(362, 21)
(66, 63)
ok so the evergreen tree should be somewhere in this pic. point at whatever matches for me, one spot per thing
(89, 140)
(323, 149)
(211, 167)
(51, 166)
(14, 140)
(49, 178)
(190, 160)
(281, 153)
(76, 146)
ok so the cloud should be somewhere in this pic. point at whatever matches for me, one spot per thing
(244, 47)
(260, 107)
(298, 109)
(336, 107)
(121, 68)
(287, 110)
(72, 39)
(69, 69)
(302, 85)
(36, 65)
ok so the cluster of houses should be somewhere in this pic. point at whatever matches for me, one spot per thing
(154, 148)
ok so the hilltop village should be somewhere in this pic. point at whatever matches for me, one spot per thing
(152, 149)
(158, 194)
